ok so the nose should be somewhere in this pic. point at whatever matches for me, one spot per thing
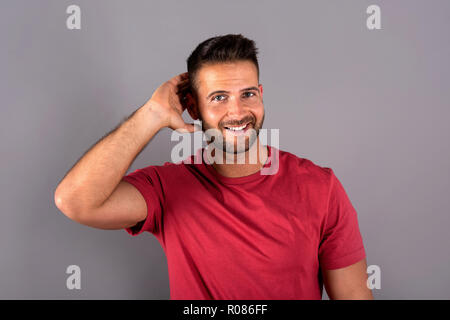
(235, 109)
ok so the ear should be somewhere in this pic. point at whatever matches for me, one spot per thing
(192, 106)
(260, 90)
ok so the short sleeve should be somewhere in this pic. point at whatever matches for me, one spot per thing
(148, 182)
(341, 244)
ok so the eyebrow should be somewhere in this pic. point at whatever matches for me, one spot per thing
(223, 91)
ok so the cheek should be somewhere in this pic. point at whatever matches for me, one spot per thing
(211, 116)
(259, 111)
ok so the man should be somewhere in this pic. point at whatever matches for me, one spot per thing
(228, 231)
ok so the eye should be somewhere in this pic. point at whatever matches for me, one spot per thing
(219, 97)
(248, 94)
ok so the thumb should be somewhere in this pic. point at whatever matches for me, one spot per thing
(188, 128)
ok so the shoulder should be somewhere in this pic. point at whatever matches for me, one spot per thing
(176, 170)
(304, 168)
(166, 168)
(158, 171)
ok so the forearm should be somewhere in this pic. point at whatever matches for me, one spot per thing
(348, 283)
(359, 294)
(95, 176)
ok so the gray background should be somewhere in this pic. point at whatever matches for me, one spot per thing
(372, 105)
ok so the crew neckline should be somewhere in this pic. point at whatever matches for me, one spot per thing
(239, 180)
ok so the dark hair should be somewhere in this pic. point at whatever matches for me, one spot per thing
(226, 48)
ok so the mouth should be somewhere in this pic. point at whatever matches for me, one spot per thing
(237, 130)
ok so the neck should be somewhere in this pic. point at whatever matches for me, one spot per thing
(243, 164)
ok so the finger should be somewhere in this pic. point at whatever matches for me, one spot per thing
(183, 84)
(181, 76)
(177, 79)
(183, 90)
(188, 128)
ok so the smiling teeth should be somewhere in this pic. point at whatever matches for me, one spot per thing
(236, 128)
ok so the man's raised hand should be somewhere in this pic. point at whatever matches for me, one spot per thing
(167, 102)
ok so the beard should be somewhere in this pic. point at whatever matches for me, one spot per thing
(229, 143)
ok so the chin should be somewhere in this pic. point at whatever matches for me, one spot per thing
(235, 149)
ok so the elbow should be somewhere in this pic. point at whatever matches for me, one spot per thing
(66, 206)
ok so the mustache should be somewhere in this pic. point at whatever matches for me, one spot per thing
(239, 122)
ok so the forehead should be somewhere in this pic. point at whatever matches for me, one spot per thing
(228, 76)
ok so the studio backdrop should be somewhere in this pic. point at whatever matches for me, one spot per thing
(361, 87)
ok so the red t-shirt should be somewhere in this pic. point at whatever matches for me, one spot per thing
(253, 237)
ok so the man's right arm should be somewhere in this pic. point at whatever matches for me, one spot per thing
(92, 192)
